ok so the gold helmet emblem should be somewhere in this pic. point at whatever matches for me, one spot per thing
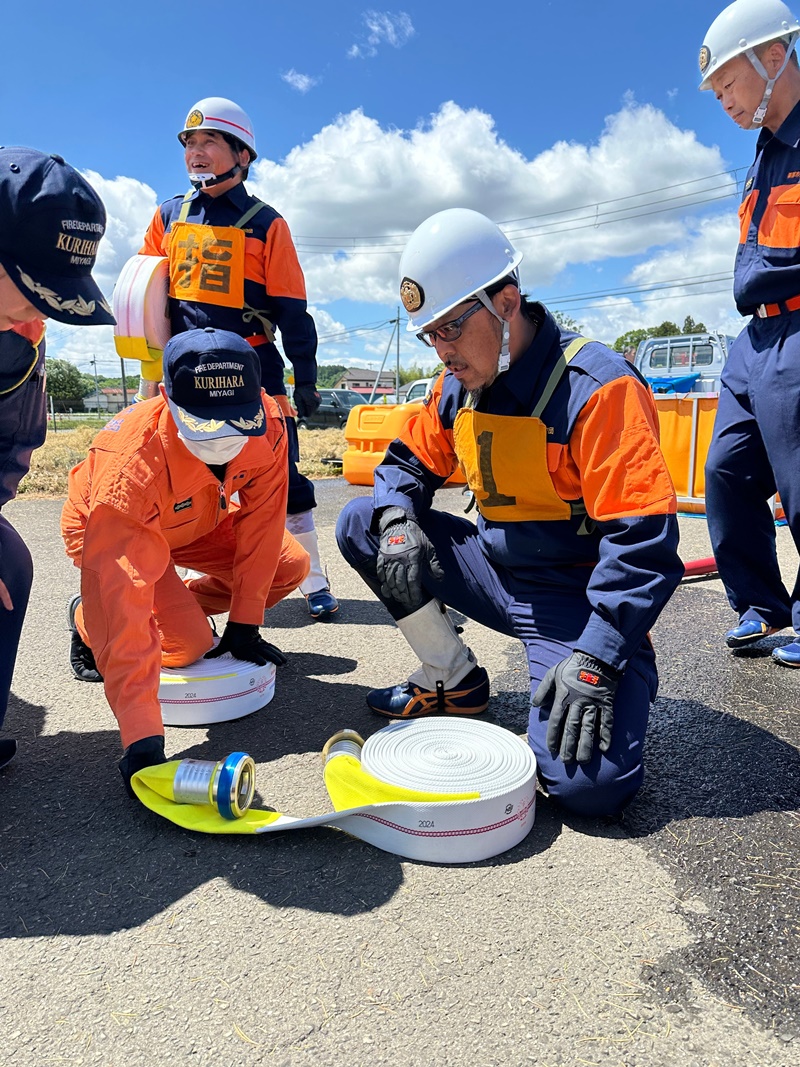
(193, 119)
(412, 295)
(705, 58)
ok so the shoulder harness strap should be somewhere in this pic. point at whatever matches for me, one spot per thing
(572, 349)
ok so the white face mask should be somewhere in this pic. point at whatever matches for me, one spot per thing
(217, 452)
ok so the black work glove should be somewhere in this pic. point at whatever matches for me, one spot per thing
(147, 752)
(243, 641)
(582, 690)
(306, 400)
(403, 552)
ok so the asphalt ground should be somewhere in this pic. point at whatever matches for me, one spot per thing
(667, 938)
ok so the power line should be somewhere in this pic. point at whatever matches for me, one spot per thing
(623, 303)
(369, 327)
(649, 287)
(390, 244)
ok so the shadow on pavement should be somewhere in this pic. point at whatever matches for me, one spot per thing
(289, 615)
(77, 856)
(702, 762)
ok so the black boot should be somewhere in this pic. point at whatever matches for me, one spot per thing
(81, 657)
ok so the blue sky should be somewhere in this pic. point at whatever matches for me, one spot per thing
(368, 119)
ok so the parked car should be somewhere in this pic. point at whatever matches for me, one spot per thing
(418, 390)
(691, 363)
(333, 411)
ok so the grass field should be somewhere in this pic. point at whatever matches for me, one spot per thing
(52, 462)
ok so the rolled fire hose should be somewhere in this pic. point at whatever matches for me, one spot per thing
(441, 790)
(141, 308)
(214, 690)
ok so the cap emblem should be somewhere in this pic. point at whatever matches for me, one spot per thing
(705, 58)
(199, 425)
(412, 295)
(249, 424)
(76, 306)
(193, 119)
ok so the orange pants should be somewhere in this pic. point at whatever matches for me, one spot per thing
(180, 608)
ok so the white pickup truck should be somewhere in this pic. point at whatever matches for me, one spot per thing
(691, 363)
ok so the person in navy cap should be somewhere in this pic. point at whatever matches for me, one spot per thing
(156, 490)
(51, 223)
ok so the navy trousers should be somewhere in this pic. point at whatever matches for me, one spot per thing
(16, 570)
(548, 621)
(23, 424)
(755, 450)
(301, 489)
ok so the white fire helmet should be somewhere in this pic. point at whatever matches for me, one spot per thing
(741, 28)
(217, 113)
(452, 256)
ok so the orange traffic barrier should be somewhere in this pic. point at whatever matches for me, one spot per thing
(369, 431)
(686, 424)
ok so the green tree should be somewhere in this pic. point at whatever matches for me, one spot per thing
(666, 329)
(690, 326)
(632, 337)
(566, 322)
(65, 383)
(328, 374)
(415, 371)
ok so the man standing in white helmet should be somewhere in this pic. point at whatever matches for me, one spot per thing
(574, 551)
(233, 266)
(748, 61)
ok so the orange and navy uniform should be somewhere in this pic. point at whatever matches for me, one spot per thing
(767, 269)
(23, 403)
(233, 277)
(580, 497)
(23, 425)
(139, 504)
(754, 448)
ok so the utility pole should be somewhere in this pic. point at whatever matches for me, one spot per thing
(395, 326)
(397, 370)
(124, 383)
(96, 385)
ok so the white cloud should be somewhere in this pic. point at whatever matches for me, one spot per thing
(354, 192)
(707, 253)
(382, 27)
(301, 82)
(130, 205)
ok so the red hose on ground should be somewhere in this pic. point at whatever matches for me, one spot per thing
(700, 566)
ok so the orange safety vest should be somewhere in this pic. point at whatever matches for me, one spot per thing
(504, 459)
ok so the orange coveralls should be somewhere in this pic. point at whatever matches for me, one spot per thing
(141, 503)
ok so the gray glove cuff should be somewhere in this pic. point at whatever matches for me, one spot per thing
(592, 663)
(389, 516)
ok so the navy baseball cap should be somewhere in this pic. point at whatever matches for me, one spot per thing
(212, 379)
(51, 222)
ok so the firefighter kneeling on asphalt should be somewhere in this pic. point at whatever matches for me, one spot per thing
(575, 547)
(154, 493)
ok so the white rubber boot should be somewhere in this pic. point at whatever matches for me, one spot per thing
(444, 656)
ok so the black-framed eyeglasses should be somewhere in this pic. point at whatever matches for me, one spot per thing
(448, 331)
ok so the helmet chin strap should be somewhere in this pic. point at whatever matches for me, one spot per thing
(205, 181)
(504, 358)
(761, 110)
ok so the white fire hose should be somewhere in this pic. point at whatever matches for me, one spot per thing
(141, 308)
(441, 790)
